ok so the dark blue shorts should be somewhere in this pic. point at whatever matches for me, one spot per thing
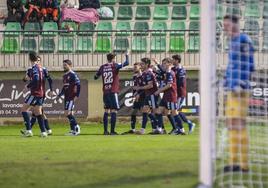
(69, 105)
(151, 101)
(111, 101)
(34, 101)
(169, 105)
(137, 105)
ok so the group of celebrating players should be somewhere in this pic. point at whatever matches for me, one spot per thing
(150, 82)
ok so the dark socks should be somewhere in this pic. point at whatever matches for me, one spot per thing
(26, 119)
(172, 121)
(153, 120)
(46, 124)
(105, 121)
(33, 120)
(113, 121)
(183, 117)
(72, 121)
(178, 121)
(159, 120)
(133, 121)
(144, 120)
(41, 123)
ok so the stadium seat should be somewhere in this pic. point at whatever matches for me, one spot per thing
(219, 11)
(141, 28)
(194, 1)
(158, 44)
(69, 24)
(84, 29)
(103, 45)
(252, 10)
(124, 28)
(161, 1)
(177, 44)
(234, 10)
(179, 12)
(50, 26)
(84, 44)
(28, 45)
(66, 44)
(12, 27)
(126, 2)
(252, 27)
(176, 26)
(143, 13)
(106, 27)
(109, 18)
(179, 1)
(161, 12)
(31, 29)
(108, 2)
(10, 45)
(193, 43)
(194, 12)
(47, 45)
(161, 28)
(194, 27)
(265, 11)
(139, 44)
(232, 1)
(125, 13)
(121, 44)
(144, 1)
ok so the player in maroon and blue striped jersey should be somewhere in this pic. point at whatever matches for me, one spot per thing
(36, 97)
(71, 92)
(110, 79)
(47, 76)
(168, 104)
(181, 89)
(149, 87)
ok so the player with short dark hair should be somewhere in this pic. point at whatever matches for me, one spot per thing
(36, 97)
(139, 97)
(71, 92)
(168, 104)
(180, 73)
(110, 79)
(149, 87)
(47, 76)
(237, 87)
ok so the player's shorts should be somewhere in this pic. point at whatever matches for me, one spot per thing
(34, 101)
(137, 105)
(180, 102)
(169, 105)
(69, 105)
(111, 101)
(151, 101)
(237, 104)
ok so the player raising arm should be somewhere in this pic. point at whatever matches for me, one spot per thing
(110, 79)
(71, 92)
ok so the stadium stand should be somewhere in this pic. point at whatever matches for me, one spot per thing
(174, 25)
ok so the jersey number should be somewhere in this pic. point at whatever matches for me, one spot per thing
(108, 77)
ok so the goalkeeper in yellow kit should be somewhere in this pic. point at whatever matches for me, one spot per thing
(237, 86)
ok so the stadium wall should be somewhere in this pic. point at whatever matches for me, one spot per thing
(94, 91)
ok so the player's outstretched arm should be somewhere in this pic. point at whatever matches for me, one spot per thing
(126, 63)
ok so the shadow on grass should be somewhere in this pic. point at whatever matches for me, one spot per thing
(125, 181)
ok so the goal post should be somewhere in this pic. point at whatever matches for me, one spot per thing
(234, 94)
(207, 92)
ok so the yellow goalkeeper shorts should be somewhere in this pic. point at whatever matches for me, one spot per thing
(237, 104)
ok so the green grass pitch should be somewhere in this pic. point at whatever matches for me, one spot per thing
(92, 160)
